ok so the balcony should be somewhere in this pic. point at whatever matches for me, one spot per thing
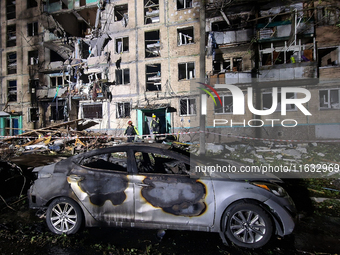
(230, 37)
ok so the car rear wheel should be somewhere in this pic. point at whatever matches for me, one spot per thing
(248, 225)
(64, 216)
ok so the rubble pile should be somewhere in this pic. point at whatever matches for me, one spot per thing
(306, 155)
(66, 138)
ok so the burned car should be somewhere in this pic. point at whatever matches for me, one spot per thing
(158, 186)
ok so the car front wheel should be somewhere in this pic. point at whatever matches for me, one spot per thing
(64, 216)
(248, 225)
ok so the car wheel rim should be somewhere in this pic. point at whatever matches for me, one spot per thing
(247, 226)
(63, 217)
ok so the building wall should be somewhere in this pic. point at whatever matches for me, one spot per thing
(24, 44)
(170, 19)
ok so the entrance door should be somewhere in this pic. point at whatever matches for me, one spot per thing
(147, 118)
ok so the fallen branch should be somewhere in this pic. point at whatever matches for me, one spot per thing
(6, 203)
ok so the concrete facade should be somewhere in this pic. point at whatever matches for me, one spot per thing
(115, 61)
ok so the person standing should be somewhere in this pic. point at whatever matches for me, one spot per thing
(154, 125)
(131, 131)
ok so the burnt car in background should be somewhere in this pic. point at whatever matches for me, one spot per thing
(156, 186)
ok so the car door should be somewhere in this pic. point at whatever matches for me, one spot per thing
(166, 195)
(101, 183)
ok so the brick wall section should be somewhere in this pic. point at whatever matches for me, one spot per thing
(330, 72)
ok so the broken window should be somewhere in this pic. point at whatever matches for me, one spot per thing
(10, 9)
(12, 91)
(153, 77)
(57, 110)
(281, 53)
(122, 44)
(188, 106)
(92, 111)
(56, 81)
(228, 64)
(237, 64)
(32, 29)
(116, 161)
(329, 99)
(33, 114)
(227, 106)
(185, 36)
(160, 164)
(33, 57)
(267, 101)
(121, 12)
(152, 44)
(151, 11)
(183, 4)
(123, 110)
(122, 76)
(31, 3)
(11, 63)
(186, 71)
(328, 56)
(11, 36)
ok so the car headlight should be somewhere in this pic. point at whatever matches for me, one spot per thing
(273, 188)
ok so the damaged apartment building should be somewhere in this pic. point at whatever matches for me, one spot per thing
(108, 61)
(112, 61)
(266, 44)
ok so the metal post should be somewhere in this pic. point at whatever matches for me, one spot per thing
(202, 74)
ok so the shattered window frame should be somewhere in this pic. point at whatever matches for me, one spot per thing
(32, 29)
(185, 39)
(160, 164)
(12, 62)
(107, 162)
(11, 36)
(120, 12)
(153, 75)
(12, 93)
(152, 46)
(227, 105)
(151, 11)
(33, 57)
(124, 46)
(10, 10)
(267, 100)
(122, 76)
(92, 111)
(184, 70)
(329, 98)
(59, 80)
(123, 110)
(187, 107)
(184, 4)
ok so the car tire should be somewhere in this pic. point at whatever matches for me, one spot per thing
(248, 225)
(64, 216)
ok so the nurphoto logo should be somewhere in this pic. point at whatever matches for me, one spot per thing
(239, 103)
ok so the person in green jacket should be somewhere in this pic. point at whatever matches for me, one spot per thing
(154, 125)
(131, 131)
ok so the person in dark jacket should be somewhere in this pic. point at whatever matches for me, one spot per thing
(131, 131)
